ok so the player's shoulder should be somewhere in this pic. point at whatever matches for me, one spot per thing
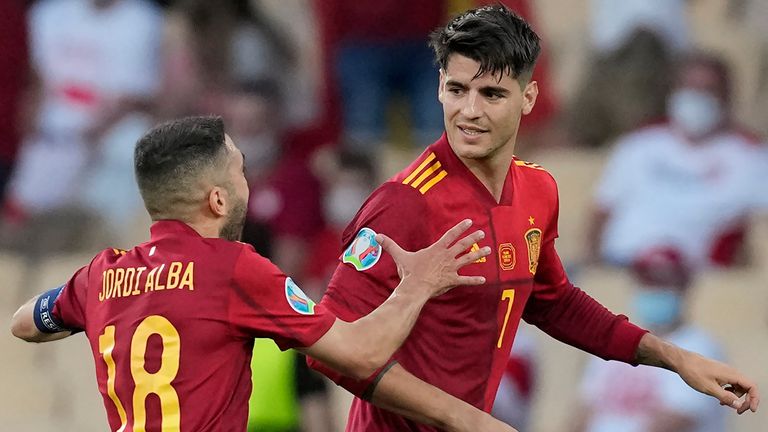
(424, 174)
(535, 175)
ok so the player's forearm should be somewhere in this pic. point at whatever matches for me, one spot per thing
(654, 351)
(23, 325)
(402, 393)
(376, 336)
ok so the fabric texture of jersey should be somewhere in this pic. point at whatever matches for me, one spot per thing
(171, 324)
(462, 340)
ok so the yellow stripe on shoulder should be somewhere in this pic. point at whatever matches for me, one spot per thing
(529, 165)
(418, 169)
(426, 175)
(435, 180)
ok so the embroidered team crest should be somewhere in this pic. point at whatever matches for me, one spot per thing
(507, 257)
(297, 299)
(364, 251)
(533, 239)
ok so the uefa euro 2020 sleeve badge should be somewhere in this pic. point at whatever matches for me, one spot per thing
(298, 301)
(364, 251)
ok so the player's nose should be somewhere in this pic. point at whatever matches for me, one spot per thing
(471, 106)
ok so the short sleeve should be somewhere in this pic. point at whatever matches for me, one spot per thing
(365, 276)
(69, 308)
(265, 303)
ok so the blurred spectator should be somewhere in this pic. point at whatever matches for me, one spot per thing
(619, 397)
(284, 210)
(626, 81)
(691, 182)
(14, 80)
(753, 15)
(348, 178)
(379, 52)
(212, 47)
(98, 68)
(515, 395)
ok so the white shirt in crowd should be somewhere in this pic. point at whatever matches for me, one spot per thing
(625, 398)
(87, 58)
(613, 22)
(662, 190)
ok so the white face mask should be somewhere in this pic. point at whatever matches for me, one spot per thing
(695, 112)
(342, 202)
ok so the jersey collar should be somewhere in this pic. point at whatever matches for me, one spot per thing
(169, 227)
(447, 157)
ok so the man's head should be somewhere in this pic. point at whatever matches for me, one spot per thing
(662, 278)
(700, 101)
(486, 58)
(190, 170)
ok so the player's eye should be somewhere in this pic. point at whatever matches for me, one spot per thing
(456, 91)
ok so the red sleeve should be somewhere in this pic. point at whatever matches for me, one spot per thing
(359, 287)
(70, 306)
(570, 315)
(265, 303)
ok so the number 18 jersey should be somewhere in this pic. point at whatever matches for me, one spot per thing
(171, 324)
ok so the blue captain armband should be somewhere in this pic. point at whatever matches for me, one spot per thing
(43, 313)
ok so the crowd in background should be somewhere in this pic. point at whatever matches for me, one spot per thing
(316, 92)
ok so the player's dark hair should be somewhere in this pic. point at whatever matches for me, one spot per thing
(170, 159)
(493, 36)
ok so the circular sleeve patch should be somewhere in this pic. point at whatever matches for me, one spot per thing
(364, 251)
(299, 301)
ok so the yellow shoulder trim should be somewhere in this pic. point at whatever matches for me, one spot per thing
(432, 174)
(529, 165)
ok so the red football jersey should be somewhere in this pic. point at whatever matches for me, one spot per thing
(462, 340)
(171, 325)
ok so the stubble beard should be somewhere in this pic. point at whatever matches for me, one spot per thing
(233, 228)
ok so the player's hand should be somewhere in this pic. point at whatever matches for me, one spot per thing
(436, 267)
(720, 381)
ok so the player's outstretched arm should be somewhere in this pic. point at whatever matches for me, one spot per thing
(402, 393)
(359, 348)
(704, 375)
(33, 322)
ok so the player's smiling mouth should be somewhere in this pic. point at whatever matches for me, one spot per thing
(471, 130)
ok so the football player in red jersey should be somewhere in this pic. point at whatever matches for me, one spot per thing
(462, 340)
(171, 322)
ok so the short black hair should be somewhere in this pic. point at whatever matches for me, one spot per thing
(494, 36)
(170, 159)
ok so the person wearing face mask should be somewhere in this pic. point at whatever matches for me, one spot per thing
(690, 182)
(615, 396)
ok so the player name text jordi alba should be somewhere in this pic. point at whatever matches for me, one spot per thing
(131, 281)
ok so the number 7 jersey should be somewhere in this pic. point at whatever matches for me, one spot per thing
(171, 324)
(462, 340)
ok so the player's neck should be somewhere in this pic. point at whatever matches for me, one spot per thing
(492, 172)
(206, 228)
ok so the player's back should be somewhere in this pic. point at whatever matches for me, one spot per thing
(158, 318)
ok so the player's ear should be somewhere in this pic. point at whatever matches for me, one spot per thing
(441, 86)
(530, 93)
(217, 201)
